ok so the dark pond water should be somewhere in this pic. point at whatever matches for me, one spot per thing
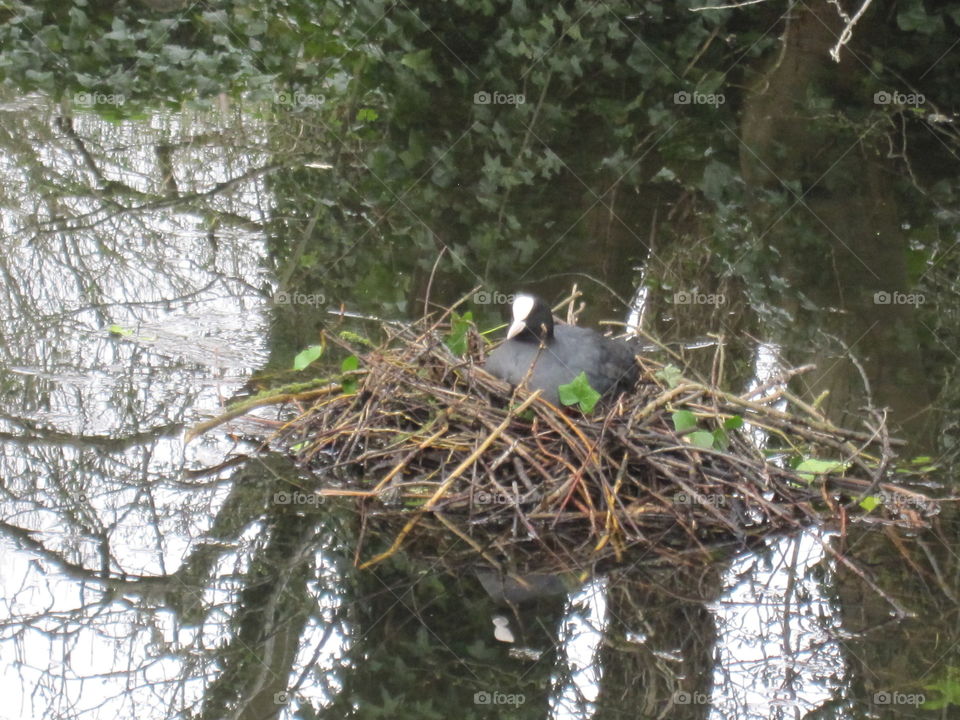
(198, 214)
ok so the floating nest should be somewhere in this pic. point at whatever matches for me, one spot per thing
(430, 443)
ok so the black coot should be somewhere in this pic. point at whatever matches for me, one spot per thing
(567, 351)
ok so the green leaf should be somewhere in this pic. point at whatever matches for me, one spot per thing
(456, 339)
(720, 439)
(684, 420)
(701, 438)
(671, 375)
(419, 60)
(718, 178)
(367, 115)
(810, 468)
(349, 385)
(870, 502)
(948, 686)
(119, 330)
(305, 357)
(578, 391)
(913, 17)
(733, 423)
(255, 27)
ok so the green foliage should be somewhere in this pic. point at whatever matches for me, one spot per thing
(456, 339)
(670, 374)
(702, 439)
(948, 685)
(810, 468)
(913, 17)
(733, 423)
(355, 338)
(351, 362)
(121, 60)
(579, 392)
(307, 356)
(684, 420)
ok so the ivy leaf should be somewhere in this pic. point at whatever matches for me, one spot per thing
(305, 357)
(913, 17)
(733, 423)
(684, 420)
(671, 375)
(810, 468)
(456, 339)
(579, 392)
(419, 60)
(720, 439)
(349, 385)
(701, 438)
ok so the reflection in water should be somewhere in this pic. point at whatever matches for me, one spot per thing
(125, 314)
(581, 633)
(777, 654)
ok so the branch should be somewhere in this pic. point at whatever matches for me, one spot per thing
(848, 27)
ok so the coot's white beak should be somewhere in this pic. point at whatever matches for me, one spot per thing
(522, 307)
(516, 327)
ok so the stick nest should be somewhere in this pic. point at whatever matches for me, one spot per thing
(426, 438)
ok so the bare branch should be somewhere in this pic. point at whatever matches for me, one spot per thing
(849, 22)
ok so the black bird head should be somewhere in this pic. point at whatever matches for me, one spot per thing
(532, 320)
